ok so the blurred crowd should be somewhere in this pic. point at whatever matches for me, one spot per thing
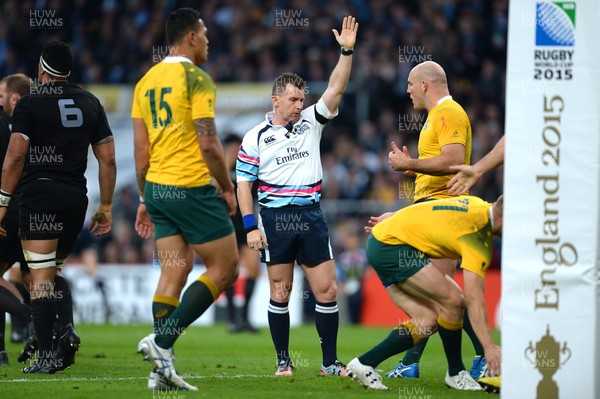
(116, 42)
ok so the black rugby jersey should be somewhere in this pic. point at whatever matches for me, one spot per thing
(61, 121)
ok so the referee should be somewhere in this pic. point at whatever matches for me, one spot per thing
(51, 131)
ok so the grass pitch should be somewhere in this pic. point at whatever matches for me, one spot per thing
(224, 365)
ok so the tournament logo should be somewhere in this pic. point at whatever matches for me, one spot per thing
(303, 127)
(555, 24)
(299, 129)
(547, 356)
(554, 40)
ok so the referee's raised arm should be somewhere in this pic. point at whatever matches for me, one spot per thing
(341, 73)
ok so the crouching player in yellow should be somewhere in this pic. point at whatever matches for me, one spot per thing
(399, 248)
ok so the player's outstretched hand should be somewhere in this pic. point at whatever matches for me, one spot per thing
(347, 38)
(373, 220)
(143, 225)
(466, 178)
(256, 240)
(101, 222)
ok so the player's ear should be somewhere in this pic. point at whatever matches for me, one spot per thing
(14, 99)
(191, 37)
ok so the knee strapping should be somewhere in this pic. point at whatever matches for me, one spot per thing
(40, 261)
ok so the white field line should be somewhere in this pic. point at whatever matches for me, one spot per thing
(75, 379)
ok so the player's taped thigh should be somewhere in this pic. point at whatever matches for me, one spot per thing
(40, 261)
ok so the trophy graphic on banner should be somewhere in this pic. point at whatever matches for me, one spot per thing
(546, 357)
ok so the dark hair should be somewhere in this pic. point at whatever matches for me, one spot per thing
(18, 83)
(180, 22)
(283, 80)
(57, 59)
(232, 138)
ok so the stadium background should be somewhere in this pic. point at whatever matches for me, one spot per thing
(251, 42)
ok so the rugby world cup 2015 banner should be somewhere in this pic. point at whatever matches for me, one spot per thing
(550, 270)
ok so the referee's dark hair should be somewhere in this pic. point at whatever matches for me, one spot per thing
(282, 81)
(18, 83)
(180, 22)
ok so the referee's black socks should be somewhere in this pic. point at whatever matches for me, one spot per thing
(279, 324)
(327, 320)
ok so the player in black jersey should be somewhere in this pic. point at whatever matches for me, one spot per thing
(12, 88)
(52, 129)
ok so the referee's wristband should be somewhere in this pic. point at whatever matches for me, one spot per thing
(249, 223)
(5, 198)
(347, 51)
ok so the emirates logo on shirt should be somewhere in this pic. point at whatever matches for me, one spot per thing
(293, 154)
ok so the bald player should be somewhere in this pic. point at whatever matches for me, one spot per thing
(445, 140)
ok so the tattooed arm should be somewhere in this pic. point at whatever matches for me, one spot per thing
(214, 156)
(141, 151)
(104, 151)
(212, 152)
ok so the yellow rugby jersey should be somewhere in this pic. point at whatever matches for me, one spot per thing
(447, 123)
(168, 98)
(448, 228)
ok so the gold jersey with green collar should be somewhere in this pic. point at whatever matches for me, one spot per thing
(168, 98)
(447, 123)
(448, 228)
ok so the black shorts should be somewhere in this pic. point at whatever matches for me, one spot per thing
(295, 233)
(10, 246)
(50, 210)
(240, 231)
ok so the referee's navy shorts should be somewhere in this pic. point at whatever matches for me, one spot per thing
(295, 233)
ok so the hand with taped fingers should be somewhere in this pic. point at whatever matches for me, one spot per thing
(256, 240)
(101, 221)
